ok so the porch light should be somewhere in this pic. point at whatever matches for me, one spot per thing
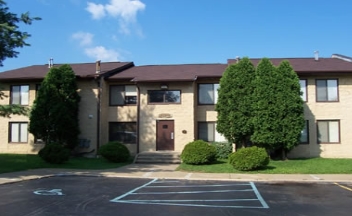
(164, 86)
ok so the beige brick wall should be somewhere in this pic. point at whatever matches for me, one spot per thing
(328, 111)
(87, 116)
(182, 114)
(88, 112)
(17, 148)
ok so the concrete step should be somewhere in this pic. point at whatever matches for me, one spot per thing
(158, 157)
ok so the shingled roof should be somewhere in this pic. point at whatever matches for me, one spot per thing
(82, 70)
(309, 65)
(182, 72)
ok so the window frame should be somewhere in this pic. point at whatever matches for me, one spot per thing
(20, 94)
(215, 95)
(327, 92)
(338, 128)
(304, 96)
(214, 131)
(123, 95)
(116, 123)
(307, 128)
(10, 133)
(165, 102)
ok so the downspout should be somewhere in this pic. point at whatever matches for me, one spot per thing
(98, 80)
(138, 114)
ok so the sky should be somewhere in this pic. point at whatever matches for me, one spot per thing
(149, 32)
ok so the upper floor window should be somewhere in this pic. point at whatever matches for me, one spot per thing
(328, 131)
(18, 132)
(20, 94)
(303, 84)
(207, 132)
(122, 95)
(207, 93)
(305, 134)
(327, 90)
(164, 96)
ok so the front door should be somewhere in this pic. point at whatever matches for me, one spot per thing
(165, 135)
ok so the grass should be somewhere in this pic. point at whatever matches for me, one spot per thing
(293, 166)
(17, 162)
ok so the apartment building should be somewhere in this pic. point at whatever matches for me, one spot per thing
(163, 107)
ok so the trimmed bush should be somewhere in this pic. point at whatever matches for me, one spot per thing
(251, 158)
(198, 152)
(114, 152)
(54, 153)
(223, 149)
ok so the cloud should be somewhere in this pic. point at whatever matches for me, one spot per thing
(96, 52)
(101, 53)
(97, 10)
(84, 38)
(124, 10)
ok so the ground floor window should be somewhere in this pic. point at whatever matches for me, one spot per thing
(18, 132)
(305, 134)
(124, 132)
(328, 131)
(207, 132)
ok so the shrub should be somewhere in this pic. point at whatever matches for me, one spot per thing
(223, 149)
(54, 153)
(114, 152)
(198, 152)
(250, 158)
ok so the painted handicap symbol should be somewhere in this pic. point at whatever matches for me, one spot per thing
(53, 192)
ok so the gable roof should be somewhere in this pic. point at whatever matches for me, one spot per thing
(309, 65)
(82, 70)
(182, 72)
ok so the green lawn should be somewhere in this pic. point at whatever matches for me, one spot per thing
(293, 166)
(16, 162)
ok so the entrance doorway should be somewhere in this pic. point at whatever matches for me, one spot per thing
(165, 135)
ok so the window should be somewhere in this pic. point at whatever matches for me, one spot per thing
(20, 94)
(207, 132)
(305, 134)
(124, 132)
(123, 94)
(164, 96)
(327, 90)
(303, 84)
(328, 131)
(18, 132)
(207, 93)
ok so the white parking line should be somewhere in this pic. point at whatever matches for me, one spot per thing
(246, 197)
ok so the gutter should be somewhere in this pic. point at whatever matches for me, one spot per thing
(138, 114)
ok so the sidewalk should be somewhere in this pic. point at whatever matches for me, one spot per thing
(167, 171)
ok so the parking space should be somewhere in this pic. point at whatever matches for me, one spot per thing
(196, 194)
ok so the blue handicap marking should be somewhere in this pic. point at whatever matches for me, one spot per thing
(52, 192)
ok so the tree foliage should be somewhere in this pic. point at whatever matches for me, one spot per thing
(261, 105)
(54, 116)
(292, 113)
(235, 102)
(11, 37)
(267, 108)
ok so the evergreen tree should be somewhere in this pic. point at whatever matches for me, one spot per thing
(291, 104)
(267, 108)
(235, 102)
(54, 116)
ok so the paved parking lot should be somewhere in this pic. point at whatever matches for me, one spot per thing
(72, 195)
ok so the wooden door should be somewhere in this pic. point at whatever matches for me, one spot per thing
(165, 135)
